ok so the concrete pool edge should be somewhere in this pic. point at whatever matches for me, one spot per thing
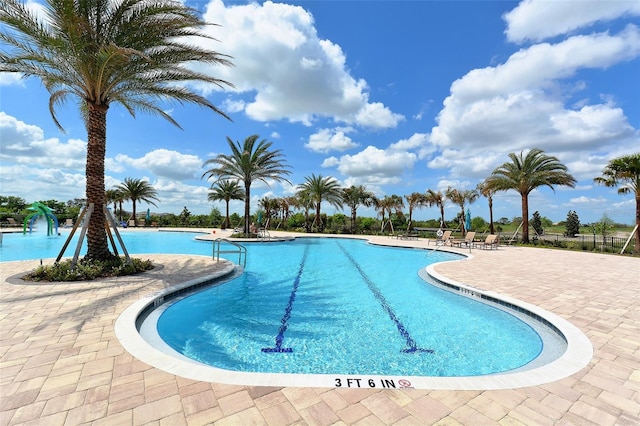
(578, 354)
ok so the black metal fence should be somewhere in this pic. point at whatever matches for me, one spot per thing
(586, 242)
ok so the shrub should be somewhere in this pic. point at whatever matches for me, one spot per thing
(87, 270)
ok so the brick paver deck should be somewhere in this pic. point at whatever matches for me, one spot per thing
(60, 362)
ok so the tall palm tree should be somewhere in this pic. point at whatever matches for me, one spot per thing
(524, 173)
(354, 197)
(487, 192)
(248, 162)
(436, 199)
(461, 197)
(271, 207)
(625, 171)
(322, 189)
(102, 52)
(138, 190)
(226, 190)
(414, 200)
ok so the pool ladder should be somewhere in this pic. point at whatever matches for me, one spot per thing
(240, 249)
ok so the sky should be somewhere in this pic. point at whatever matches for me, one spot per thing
(398, 96)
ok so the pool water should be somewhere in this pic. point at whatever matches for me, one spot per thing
(340, 306)
(18, 246)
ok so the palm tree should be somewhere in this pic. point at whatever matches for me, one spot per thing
(487, 192)
(271, 207)
(226, 190)
(414, 200)
(354, 197)
(247, 163)
(625, 171)
(526, 173)
(389, 203)
(137, 190)
(102, 52)
(113, 196)
(436, 199)
(322, 189)
(460, 198)
(304, 200)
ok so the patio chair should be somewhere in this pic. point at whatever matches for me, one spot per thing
(490, 242)
(467, 240)
(12, 222)
(68, 223)
(445, 239)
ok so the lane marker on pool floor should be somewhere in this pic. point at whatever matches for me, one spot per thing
(284, 322)
(412, 346)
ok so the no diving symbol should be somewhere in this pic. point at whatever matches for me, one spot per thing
(404, 383)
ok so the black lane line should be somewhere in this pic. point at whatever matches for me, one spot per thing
(412, 347)
(284, 322)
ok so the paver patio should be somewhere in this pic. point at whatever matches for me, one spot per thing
(60, 362)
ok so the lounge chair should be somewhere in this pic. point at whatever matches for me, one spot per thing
(132, 223)
(68, 223)
(490, 242)
(445, 239)
(467, 240)
(12, 222)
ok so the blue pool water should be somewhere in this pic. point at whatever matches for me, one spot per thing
(18, 246)
(339, 306)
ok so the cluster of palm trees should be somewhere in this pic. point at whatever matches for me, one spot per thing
(253, 160)
(133, 190)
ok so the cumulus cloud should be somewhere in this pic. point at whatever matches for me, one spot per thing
(536, 20)
(374, 165)
(521, 104)
(24, 143)
(327, 140)
(163, 163)
(290, 73)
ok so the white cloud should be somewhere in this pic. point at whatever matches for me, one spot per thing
(537, 20)
(163, 163)
(376, 166)
(519, 105)
(289, 72)
(327, 140)
(24, 143)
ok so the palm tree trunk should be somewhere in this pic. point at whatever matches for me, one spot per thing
(636, 250)
(247, 208)
(491, 230)
(525, 218)
(226, 219)
(135, 222)
(97, 246)
(318, 218)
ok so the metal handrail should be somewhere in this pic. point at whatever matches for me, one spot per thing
(240, 249)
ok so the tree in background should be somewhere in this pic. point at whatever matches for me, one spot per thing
(137, 190)
(572, 227)
(184, 216)
(536, 222)
(486, 191)
(102, 52)
(247, 163)
(322, 189)
(625, 172)
(437, 199)
(415, 200)
(526, 173)
(354, 197)
(460, 197)
(226, 190)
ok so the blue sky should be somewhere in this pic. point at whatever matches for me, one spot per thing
(399, 96)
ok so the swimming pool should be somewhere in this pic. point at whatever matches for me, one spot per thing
(19, 246)
(338, 306)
